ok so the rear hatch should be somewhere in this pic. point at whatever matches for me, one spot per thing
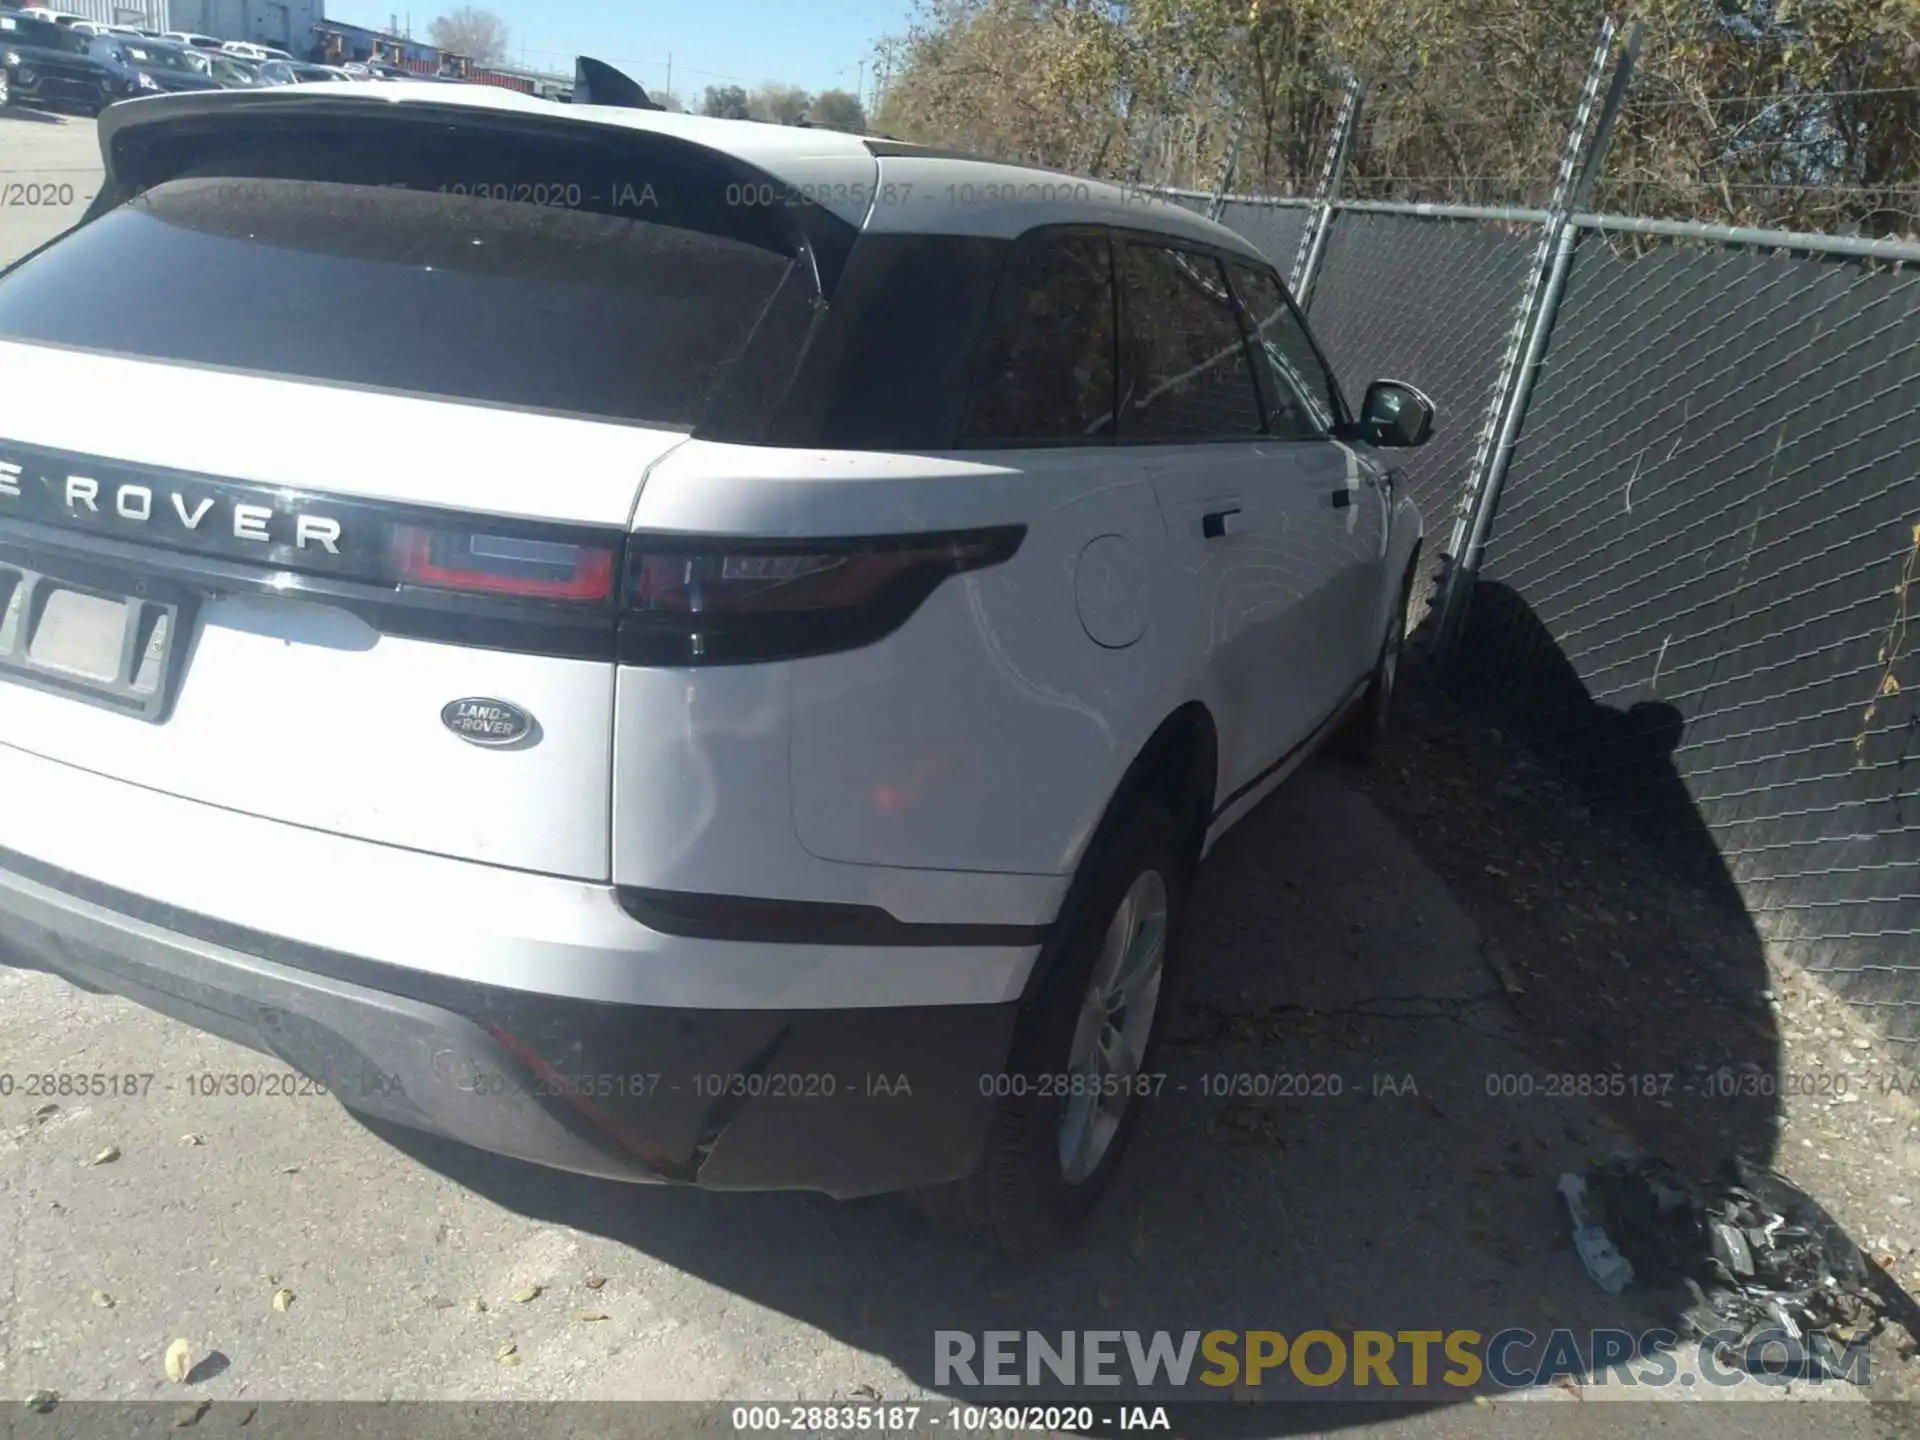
(317, 458)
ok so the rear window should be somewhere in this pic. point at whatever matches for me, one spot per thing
(560, 276)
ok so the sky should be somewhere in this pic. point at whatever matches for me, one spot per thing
(816, 44)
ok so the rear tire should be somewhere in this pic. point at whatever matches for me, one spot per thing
(1359, 737)
(1081, 1067)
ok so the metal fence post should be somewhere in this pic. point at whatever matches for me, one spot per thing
(1580, 166)
(1226, 169)
(1306, 260)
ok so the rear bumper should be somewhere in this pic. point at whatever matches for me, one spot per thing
(288, 893)
(57, 89)
(848, 1102)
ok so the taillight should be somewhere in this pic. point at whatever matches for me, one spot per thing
(716, 601)
(503, 565)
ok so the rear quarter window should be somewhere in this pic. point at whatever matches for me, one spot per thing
(555, 274)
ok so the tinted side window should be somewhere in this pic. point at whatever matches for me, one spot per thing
(1301, 391)
(1187, 376)
(890, 360)
(1046, 371)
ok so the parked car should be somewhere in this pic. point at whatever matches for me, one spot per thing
(247, 50)
(187, 37)
(285, 72)
(234, 71)
(147, 67)
(44, 64)
(97, 27)
(820, 814)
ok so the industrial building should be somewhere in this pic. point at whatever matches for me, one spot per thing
(302, 28)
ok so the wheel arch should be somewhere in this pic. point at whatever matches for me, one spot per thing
(1179, 768)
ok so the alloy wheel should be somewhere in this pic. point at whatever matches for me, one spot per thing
(1114, 1024)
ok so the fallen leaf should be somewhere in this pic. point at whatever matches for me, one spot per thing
(508, 1354)
(526, 1293)
(288, 1170)
(1496, 870)
(179, 1361)
(477, 1305)
(594, 1282)
(589, 1317)
(41, 1401)
(102, 1299)
(106, 1156)
(864, 1391)
(1483, 1400)
(246, 1417)
(192, 1139)
(282, 1299)
(50, 1108)
(439, 1302)
(189, 1415)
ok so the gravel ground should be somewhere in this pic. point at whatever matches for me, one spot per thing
(1435, 943)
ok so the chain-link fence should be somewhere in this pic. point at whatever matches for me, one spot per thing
(1676, 480)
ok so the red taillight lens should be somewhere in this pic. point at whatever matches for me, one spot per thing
(503, 565)
(735, 602)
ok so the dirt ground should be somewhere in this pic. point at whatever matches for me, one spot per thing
(1616, 961)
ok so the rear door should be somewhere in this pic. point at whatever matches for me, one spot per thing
(1341, 490)
(315, 467)
(1246, 509)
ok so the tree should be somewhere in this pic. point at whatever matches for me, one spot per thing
(480, 35)
(725, 102)
(1790, 113)
(779, 104)
(838, 110)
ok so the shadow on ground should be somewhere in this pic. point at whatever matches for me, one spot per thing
(31, 117)
(1396, 989)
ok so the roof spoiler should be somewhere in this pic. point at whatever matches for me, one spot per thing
(597, 83)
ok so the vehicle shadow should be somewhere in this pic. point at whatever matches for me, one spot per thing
(32, 117)
(1365, 1112)
(1640, 950)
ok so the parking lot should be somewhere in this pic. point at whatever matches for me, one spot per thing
(1370, 934)
(49, 170)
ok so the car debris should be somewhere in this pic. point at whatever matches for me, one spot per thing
(1756, 1255)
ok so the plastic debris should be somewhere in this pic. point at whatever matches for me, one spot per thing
(1610, 1270)
(1753, 1253)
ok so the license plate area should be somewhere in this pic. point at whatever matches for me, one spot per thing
(90, 639)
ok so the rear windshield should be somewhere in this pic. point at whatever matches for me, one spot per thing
(552, 276)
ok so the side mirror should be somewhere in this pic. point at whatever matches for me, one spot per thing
(1395, 416)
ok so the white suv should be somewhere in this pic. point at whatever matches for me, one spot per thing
(673, 648)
